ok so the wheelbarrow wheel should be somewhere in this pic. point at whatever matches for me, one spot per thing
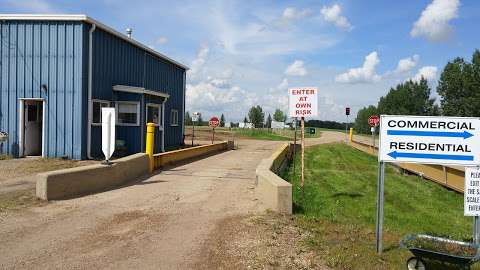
(415, 263)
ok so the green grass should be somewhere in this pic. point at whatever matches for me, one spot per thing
(260, 134)
(339, 208)
(266, 134)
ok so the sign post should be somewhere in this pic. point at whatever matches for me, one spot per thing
(108, 133)
(294, 145)
(213, 123)
(427, 140)
(303, 103)
(195, 117)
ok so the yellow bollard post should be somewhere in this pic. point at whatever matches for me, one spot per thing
(150, 144)
(351, 134)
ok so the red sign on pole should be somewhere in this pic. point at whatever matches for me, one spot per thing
(373, 120)
(214, 122)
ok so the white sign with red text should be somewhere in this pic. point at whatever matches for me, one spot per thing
(303, 101)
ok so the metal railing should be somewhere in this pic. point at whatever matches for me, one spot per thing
(452, 177)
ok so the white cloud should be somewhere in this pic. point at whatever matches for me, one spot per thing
(297, 68)
(407, 64)
(197, 64)
(333, 14)
(162, 40)
(427, 72)
(433, 24)
(363, 74)
(209, 99)
(32, 6)
(291, 14)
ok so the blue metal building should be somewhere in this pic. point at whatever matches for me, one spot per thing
(58, 71)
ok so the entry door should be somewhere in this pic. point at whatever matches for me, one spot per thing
(33, 127)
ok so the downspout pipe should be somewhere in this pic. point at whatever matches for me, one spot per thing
(89, 100)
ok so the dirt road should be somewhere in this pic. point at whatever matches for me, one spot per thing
(162, 222)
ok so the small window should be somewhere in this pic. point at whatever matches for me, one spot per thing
(128, 113)
(154, 114)
(174, 118)
(97, 106)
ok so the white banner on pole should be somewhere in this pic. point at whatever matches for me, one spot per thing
(430, 140)
(303, 101)
(472, 191)
(108, 132)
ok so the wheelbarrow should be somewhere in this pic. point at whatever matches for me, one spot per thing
(440, 250)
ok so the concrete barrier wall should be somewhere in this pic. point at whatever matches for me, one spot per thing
(68, 183)
(450, 176)
(271, 189)
(172, 157)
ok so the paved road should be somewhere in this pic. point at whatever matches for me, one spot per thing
(161, 222)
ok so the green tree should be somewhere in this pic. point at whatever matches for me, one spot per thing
(361, 122)
(188, 119)
(408, 98)
(245, 120)
(222, 120)
(200, 120)
(268, 124)
(459, 87)
(256, 116)
(279, 116)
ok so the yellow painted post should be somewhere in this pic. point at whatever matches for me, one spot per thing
(351, 134)
(150, 144)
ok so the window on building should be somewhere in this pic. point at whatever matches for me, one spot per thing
(97, 106)
(154, 114)
(128, 113)
(174, 118)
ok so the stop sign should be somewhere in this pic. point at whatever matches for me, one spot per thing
(373, 120)
(214, 122)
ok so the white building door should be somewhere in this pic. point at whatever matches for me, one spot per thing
(33, 120)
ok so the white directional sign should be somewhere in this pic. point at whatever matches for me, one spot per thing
(303, 101)
(430, 140)
(195, 116)
(108, 132)
(472, 192)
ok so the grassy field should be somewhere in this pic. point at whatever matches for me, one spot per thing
(339, 208)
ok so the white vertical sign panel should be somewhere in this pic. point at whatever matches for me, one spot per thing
(472, 192)
(430, 140)
(303, 101)
(108, 132)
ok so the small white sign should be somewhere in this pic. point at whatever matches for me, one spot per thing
(278, 125)
(108, 132)
(430, 140)
(303, 101)
(195, 116)
(471, 193)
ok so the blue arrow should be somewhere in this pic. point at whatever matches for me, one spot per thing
(396, 155)
(464, 134)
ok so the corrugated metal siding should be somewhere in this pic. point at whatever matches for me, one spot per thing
(35, 53)
(117, 62)
(169, 79)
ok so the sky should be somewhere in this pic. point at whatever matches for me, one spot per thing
(246, 53)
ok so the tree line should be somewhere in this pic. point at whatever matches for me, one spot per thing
(458, 89)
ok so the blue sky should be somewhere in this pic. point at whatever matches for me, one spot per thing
(244, 53)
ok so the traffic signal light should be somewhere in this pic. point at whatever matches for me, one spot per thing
(347, 111)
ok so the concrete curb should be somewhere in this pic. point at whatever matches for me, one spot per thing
(177, 156)
(271, 189)
(68, 183)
